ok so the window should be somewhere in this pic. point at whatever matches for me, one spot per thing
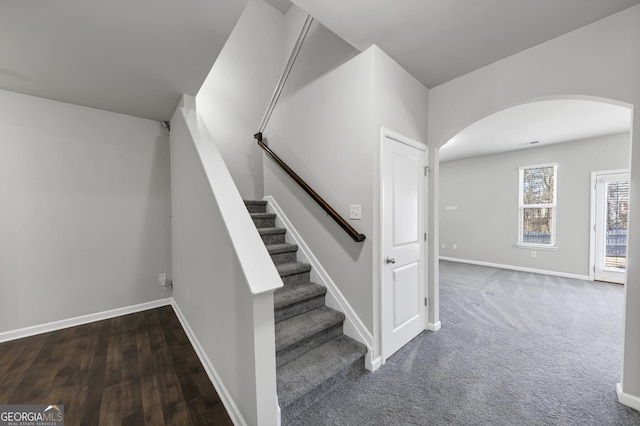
(538, 205)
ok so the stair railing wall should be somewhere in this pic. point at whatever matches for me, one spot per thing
(355, 235)
(221, 267)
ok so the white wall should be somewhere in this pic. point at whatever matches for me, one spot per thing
(328, 131)
(600, 60)
(236, 92)
(293, 22)
(84, 210)
(323, 131)
(485, 192)
(321, 52)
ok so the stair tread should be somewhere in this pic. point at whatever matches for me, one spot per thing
(286, 269)
(271, 230)
(309, 371)
(281, 248)
(296, 329)
(262, 215)
(256, 202)
(291, 294)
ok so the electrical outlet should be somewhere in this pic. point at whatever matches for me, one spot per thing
(355, 212)
(454, 246)
(443, 245)
(533, 253)
(162, 278)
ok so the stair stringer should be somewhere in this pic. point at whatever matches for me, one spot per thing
(353, 326)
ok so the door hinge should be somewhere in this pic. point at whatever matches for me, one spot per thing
(426, 302)
(425, 236)
(426, 170)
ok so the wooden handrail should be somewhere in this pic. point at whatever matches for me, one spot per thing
(357, 237)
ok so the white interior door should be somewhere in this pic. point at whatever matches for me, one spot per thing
(403, 174)
(612, 209)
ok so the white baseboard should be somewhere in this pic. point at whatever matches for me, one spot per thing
(627, 399)
(434, 327)
(222, 391)
(84, 319)
(353, 326)
(372, 364)
(279, 419)
(518, 268)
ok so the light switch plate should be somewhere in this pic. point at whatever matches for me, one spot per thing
(355, 212)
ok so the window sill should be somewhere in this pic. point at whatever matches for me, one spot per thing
(537, 246)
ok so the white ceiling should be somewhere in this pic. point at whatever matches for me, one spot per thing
(548, 122)
(134, 57)
(438, 40)
(282, 5)
(138, 56)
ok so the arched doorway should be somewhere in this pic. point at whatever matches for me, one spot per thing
(489, 172)
(472, 196)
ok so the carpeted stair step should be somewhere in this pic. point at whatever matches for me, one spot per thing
(298, 335)
(312, 354)
(307, 378)
(282, 253)
(256, 206)
(272, 235)
(264, 220)
(294, 272)
(292, 300)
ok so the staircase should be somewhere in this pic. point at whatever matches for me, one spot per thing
(312, 354)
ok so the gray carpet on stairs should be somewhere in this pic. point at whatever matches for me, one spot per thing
(312, 354)
(515, 349)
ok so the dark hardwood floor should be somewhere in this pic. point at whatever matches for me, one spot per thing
(137, 369)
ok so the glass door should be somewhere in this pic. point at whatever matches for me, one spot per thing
(612, 211)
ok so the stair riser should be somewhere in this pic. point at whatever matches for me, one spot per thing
(284, 257)
(298, 407)
(303, 277)
(264, 222)
(298, 308)
(257, 208)
(292, 352)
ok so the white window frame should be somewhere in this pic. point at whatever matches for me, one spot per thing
(522, 206)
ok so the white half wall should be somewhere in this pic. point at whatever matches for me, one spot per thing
(237, 90)
(84, 210)
(600, 60)
(233, 328)
(479, 204)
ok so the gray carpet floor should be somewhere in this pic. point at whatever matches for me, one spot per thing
(514, 349)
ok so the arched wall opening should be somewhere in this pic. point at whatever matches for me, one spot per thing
(478, 220)
(479, 183)
(598, 61)
(602, 152)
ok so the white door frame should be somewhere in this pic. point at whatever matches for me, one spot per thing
(387, 133)
(592, 233)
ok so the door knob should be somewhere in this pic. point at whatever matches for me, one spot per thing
(390, 260)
